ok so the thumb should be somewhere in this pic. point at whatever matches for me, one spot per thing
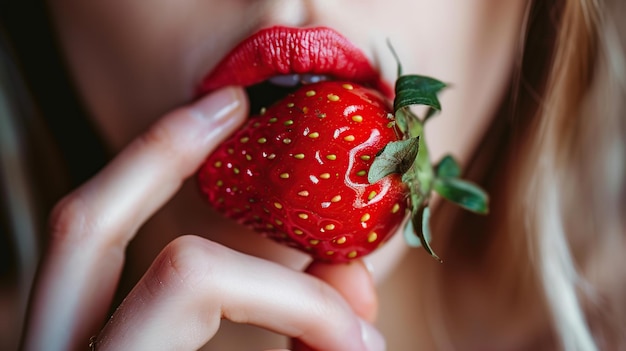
(354, 282)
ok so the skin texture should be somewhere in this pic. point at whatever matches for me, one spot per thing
(136, 67)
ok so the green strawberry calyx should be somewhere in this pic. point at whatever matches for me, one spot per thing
(410, 157)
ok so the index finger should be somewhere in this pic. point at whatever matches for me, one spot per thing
(194, 284)
(92, 225)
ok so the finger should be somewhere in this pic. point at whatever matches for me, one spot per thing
(355, 283)
(194, 283)
(91, 226)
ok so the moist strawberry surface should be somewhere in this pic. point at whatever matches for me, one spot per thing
(297, 173)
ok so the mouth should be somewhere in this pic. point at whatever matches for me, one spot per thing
(277, 60)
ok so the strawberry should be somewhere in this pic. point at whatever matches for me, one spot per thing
(298, 172)
(332, 170)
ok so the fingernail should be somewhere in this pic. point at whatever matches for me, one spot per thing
(372, 338)
(219, 104)
(368, 265)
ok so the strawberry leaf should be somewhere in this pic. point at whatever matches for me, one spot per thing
(410, 97)
(418, 82)
(463, 193)
(410, 236)
(417, 90)
(448, 168)
(421, 229)
(395, 157)
(421, 177)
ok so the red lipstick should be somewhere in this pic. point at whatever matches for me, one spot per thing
(281, 50)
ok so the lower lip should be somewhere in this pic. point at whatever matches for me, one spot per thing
(282, 50)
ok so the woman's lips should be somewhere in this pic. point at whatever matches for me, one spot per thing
(281, 50)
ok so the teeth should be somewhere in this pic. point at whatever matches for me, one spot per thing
(291, 80)
(312, 78)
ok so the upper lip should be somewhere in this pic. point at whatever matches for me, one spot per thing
(282, 50)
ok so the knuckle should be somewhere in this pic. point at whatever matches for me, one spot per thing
(183, 271)
(69, 220)
(187, 262)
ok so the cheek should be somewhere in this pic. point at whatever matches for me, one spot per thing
(470, 45)
(133, 62)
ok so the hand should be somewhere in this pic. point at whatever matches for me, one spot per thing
(355, 283)
(193, 283)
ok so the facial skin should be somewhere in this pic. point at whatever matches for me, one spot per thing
(133, 62)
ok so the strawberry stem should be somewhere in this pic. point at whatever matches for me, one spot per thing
(411, 158)
(395, 56)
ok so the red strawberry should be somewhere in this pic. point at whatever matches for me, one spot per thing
(298, 173)
(331, 171)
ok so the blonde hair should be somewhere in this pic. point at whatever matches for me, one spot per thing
(573, 179)
(548, 261)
